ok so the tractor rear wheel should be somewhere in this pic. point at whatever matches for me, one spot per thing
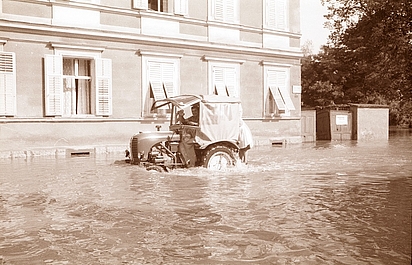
(218, 158)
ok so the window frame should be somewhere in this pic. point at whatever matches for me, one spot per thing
(178, 7)
(101, 83)
(232, 90)
(280, 92)
(147, 82)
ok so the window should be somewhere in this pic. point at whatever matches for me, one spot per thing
(225, 79)
(77, 86)
(7, 84)
(276, 14)
(161, 76)
(224, 10)
(168, 6)
(277, 97)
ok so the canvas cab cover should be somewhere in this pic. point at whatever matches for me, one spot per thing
(219, 116)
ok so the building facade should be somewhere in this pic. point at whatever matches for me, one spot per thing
(85, 72)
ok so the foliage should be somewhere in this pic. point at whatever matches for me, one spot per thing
(368, 59)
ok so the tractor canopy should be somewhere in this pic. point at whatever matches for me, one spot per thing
(219, 116)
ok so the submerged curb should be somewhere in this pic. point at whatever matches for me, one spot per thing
(63, 151)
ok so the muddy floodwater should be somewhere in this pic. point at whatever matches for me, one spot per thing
(325, 203)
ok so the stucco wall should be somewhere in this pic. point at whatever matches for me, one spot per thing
(370, 123)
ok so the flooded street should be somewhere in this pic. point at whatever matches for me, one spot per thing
(325, 203)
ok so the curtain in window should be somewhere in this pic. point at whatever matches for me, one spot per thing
(62, 99)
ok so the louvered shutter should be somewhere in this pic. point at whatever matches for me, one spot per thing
(270, 14)
(53, 85)
(219, 81)
(230, 81)
(280, 14)
(224, 81)
(181, 7)
(286, 98)
(140, 4)
(277, 97)
(277, 81)
(219, 10)
(103, 76)
(276, 14)
(230, 11)
(7, 84)
(155, 80)
(168, 77)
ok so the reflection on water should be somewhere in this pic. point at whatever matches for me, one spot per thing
(324, 203)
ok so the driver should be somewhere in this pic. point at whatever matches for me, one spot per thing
(187, 140)
(192, 120)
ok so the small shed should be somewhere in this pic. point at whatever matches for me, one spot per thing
(308, 125)
(334, 123)
(370, 122)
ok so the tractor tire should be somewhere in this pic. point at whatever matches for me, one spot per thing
(218, 158)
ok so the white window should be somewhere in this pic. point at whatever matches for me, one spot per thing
(225, 79)
(276, 14)
(160, 80)
(168, 6)
(77, 86)
(7, 84)
(224, 10)
(277, 96)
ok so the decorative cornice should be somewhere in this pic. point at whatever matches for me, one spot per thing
(159, 54)
(106, 35)
(226, 60)
(266, 63)
(76, 47)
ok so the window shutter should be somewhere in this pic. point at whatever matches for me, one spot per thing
(7, 84)
(277, 97)
(219, 10)
(157, 90)
(140, 4)
(230, 81)
(276, 14)
(181, 7)
(230, 10)
(280, 14)
(155, 80)
(224, 80)
(168, 77)
(225, 10)
(219, 81)
(53, 85)
(277, 81)
(103, 78)
(270, 13)
(286, 98)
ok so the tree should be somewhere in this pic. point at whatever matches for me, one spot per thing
(368, 57)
